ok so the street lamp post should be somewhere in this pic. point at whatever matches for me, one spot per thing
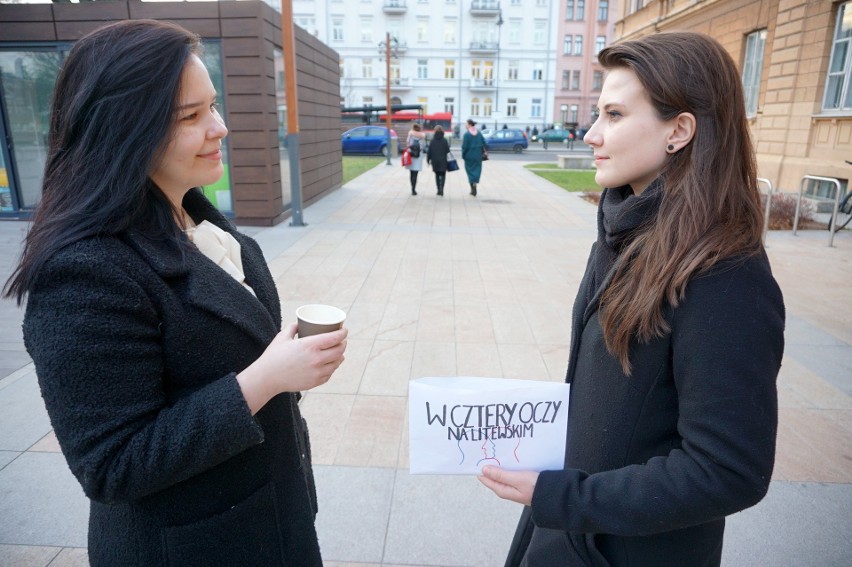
(388, 48)
(497, 77)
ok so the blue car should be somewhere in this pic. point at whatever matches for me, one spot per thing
(367, 140)
(509, 139)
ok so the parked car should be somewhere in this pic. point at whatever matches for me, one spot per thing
(554, 135)
(509, 139)
(368, 140)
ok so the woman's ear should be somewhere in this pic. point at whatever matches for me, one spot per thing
(684, 130)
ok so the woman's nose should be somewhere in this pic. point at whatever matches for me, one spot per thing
(217, 127)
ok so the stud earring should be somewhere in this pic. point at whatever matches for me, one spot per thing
(670, 147)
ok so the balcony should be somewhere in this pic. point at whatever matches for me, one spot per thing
(483, 85)
(483, 47)
(397, 83)
(395, 7)
(484, 7)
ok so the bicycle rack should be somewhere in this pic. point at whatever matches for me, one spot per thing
(833, 212)
(768, 184)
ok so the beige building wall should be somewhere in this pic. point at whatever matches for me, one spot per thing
(793, 136)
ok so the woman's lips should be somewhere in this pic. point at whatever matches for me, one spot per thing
(214, 155)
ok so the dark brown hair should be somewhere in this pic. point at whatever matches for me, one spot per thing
(710, 208)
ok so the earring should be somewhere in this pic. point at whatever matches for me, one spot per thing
(670, 147)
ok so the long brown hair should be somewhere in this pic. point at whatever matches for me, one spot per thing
(710, 208)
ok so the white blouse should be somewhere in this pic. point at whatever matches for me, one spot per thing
(222, 248)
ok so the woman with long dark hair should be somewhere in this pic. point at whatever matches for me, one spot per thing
(677, 334)
(155, 326)
(437, 154)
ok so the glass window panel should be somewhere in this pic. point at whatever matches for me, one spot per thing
(27, 79)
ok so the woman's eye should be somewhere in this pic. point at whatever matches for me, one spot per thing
(192, 116)
(614, 114)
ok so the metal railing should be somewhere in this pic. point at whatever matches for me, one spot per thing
(833, 219)
(764, 181)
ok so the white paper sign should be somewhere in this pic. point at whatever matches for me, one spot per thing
(458, 425)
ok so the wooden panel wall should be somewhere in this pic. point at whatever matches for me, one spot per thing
(250, 32)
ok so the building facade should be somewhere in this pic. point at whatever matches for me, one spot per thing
(585, 28)
(796, 65)
(242, 51)
(491, 61)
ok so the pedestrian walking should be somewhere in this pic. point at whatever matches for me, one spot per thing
(436, 156)
(473, 150)
(678, 328)
(414, 144)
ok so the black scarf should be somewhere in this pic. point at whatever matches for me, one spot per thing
(620, 215)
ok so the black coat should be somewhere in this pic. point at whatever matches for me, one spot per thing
(136, 353)
(439, 148)
(655, 461)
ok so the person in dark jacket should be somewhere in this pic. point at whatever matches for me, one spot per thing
(155, 326)
(677, 333)
(437, 154)
(473, 147)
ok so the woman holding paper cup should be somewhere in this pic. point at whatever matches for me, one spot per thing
(155, 326)
(677, 333)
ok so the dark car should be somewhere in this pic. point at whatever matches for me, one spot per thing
(509, 139)
(554, 135)
(368, 140)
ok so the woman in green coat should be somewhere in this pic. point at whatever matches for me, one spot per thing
(473, 146)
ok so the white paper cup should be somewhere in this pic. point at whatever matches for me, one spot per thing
(316, 319)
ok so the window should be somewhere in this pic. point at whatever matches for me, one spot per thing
(838, 95)
(307, 23)
(450, 105)
(474, 69)
(569, 9)
(340, 66)
(538, 71)
(449, 31)
(424, 102)
(574, 110)
(337, 29)
(566, 78)
(578, 45)
(487, 107)
(535, 108)
(580, 12)
(514, 31)
(541, 2)
(513, 71)
(367, 30)
(512, 107)
(540, 33)
(752, 69)
(367, 68)
(422, 30)
(367, 101)
(422, 68)
(600, 43)
(575, 81)
(449, 69)
(597, 81)
(603, 10)
(474, 106)
(566, 45)
(394, 73)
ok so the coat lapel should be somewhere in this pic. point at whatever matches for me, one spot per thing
(209, 287)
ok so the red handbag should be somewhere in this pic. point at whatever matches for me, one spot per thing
(406, 158)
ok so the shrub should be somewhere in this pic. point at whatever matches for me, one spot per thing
(783, 211)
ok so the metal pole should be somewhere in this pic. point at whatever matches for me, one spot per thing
(387, 92)
(288, 48)
(768, 205)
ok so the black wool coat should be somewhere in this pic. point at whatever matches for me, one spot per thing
(656, 460)
(136, 352)
(439, 148)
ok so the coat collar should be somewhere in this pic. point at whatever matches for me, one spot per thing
(209, 287)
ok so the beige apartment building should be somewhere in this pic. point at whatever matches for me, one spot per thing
(795, 59)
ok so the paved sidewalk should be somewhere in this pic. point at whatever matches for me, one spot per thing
(461, 286)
